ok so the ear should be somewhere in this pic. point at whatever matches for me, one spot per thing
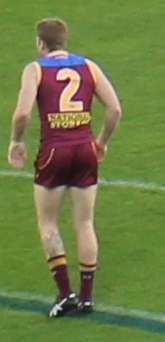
(40, 44)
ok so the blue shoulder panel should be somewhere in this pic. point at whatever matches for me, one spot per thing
(61, 61)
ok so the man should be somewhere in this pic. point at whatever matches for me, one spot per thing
(64, 85)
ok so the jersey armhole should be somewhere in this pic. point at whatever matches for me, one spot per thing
(93, 70)
(38, 72)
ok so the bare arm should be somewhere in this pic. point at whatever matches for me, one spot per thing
(112, 112)
(26, 98)
(112, 109)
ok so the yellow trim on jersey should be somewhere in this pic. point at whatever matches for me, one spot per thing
(94, 69)
(93, 145)
(68, 120)
(38, 71)
(57, 262)
(48, 160)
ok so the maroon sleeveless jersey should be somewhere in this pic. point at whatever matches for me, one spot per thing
(64, 99)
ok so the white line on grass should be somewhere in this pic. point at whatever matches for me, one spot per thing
(112, 309)
(19, 174)
(132, 312)
(24, 295)
(148, 186)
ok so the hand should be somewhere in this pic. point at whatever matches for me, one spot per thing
(17, 154)
(100, 150)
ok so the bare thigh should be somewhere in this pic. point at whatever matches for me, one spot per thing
(48, 203)
(83, 202)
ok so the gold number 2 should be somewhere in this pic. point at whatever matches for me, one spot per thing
(66, 104)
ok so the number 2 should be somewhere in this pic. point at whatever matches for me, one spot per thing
(66, 104)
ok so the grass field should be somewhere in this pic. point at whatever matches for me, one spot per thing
(127, 40)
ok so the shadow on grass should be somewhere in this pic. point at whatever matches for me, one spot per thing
(38, 306)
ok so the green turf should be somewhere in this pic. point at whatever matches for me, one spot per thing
(127, 40)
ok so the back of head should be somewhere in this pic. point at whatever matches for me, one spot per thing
(53, 32)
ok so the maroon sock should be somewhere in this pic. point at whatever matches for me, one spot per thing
(87, 278)
(59, 271)
(60, 274)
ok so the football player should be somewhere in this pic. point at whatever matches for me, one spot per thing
(64, 84)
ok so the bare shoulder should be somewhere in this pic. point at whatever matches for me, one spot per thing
(29, 69)
(104, 89)
(32, 71)
(97, 73)
(94, 69)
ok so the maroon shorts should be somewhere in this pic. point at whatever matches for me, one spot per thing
(71, 165)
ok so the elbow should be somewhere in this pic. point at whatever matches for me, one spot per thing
(20, 116)
(114, 112)
(118, 112)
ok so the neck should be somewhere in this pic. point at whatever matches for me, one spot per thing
(57, 53)
(46, 51)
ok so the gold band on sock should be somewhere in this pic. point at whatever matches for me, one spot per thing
(87, 268)
(57, 261)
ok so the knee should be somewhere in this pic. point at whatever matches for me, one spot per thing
(47, 225)
(48, 230)
(83, 225)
